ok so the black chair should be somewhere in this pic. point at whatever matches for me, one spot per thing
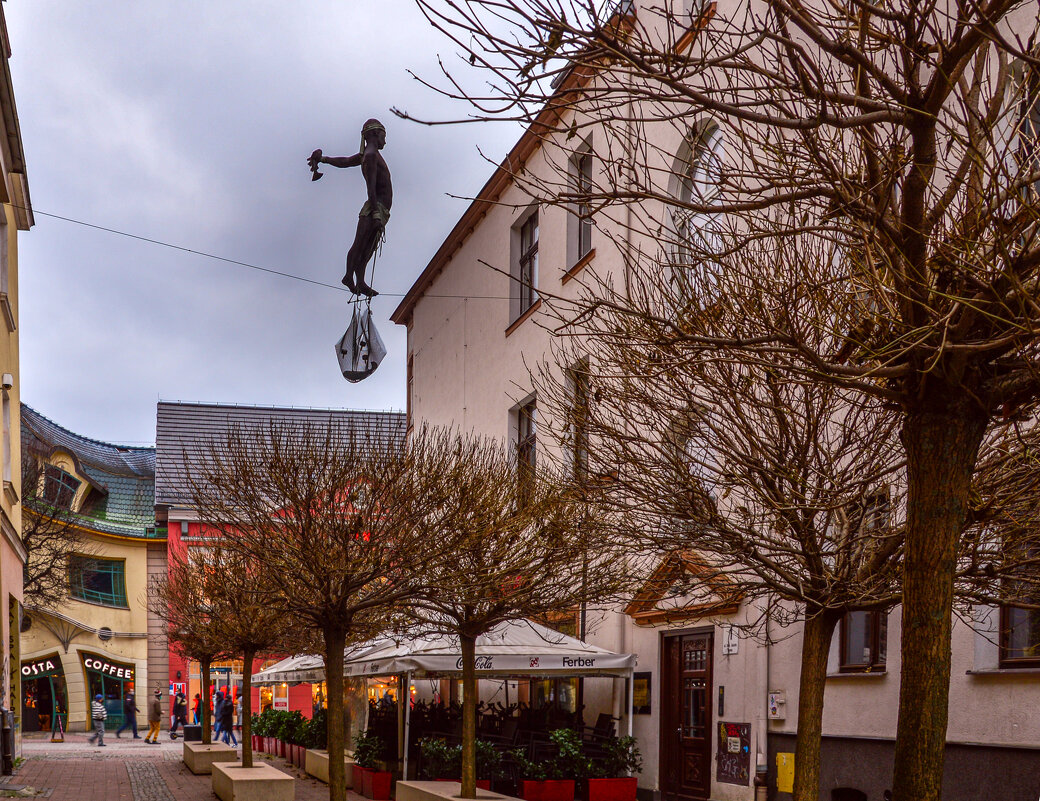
(847, 794)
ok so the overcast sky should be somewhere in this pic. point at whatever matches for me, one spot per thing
(190, 123)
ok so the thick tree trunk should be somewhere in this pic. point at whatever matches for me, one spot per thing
(207, 735)
(335, 642)
(247, 708)
(942, 448)
(816, 643)
(469, 716)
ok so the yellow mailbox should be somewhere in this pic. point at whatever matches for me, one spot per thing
(785, 773)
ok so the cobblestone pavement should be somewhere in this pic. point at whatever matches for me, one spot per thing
(128, 770)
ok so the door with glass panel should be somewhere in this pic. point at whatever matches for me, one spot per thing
(686, 724)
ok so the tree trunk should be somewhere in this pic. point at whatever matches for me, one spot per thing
(816, 643)
(247, 707)
(941, 448)
(335, 643)
(469, 716)
(206, 721)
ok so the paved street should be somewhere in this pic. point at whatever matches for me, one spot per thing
(125, 770)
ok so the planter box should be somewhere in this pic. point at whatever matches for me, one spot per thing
(257, 743)
(316, 763)
(232, 782)
(299, 754)
(482, 784)
(375, 784)
(620, 789)
(439, 791)
(547, 790)
(199, 758)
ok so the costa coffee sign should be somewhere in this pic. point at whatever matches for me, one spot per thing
(108, 668)
(40, 667)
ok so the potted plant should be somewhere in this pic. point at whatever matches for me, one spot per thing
(553, 779)
(375, 783)
(440, 761)
(610, 771)
(256, 727)
(489, 763)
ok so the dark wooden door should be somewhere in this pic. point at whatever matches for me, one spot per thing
(686, 727)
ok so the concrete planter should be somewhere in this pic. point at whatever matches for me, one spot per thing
(232, 782)
(440, 791)
(316, 764)
(199, 758)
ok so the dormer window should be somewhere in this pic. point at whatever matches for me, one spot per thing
(59, 488)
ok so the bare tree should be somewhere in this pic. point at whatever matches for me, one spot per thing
(239, 590)
(181, 599)
(737, 141)
(332, 513)
(518, 546)
(787, 497)
(51, 536)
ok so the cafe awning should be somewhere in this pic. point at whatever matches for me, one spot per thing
(514, 649)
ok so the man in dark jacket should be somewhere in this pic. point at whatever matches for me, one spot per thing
(180, 714)
(154, 718)
(227, 721)
(130, 711)
(218, 705)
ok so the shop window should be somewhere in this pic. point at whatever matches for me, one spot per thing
(864, 641)
(98, 581)
(59, 488)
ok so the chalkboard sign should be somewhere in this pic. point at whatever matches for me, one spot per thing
(733, 758)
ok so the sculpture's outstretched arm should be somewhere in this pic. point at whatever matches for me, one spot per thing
(342, 161)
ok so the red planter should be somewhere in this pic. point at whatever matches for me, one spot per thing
(281, 745)
(257, 743)
(269, 745)
(547, 790)
(357, 776)
(375, 784)
(622, 789)
(300, 754)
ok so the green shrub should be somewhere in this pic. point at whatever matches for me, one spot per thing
(620, 758)
(317, 731)
(440, 760)
(368, 749)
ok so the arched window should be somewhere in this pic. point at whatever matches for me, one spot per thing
(698, 183)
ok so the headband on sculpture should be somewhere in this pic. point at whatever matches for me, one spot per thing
(371, 125)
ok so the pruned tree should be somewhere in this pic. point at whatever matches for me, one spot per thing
(736, 141)
(239, 590)
(786, 494)
(332, 512)
(181, 599)
(51, 536)
(519, 545)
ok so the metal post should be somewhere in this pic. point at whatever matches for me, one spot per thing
(631, 698)
(407, 701)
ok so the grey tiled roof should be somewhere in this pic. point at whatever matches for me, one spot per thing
(181, 428)
(126, 475)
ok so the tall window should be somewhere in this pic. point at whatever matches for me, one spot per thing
(1019, 637)
(6, 412)
(527, 275)
(579, 422)
(98, 581)
(59, 488)
(408, 392)
(697, 230)
(526, 447)
(583, 189)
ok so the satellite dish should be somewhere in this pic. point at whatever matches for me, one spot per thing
(104, 634)
(26, 623)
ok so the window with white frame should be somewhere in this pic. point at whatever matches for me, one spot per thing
(696, 228)
(864, 633)
(579, 420)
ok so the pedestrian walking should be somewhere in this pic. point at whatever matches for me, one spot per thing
(196, 712)
(98, 715)
(180, 714)
(218, 706)
(154, 718)
(227, 723)
(130, 711)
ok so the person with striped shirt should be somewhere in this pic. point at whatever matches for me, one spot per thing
(98, 715)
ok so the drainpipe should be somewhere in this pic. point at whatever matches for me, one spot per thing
(762, 760)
